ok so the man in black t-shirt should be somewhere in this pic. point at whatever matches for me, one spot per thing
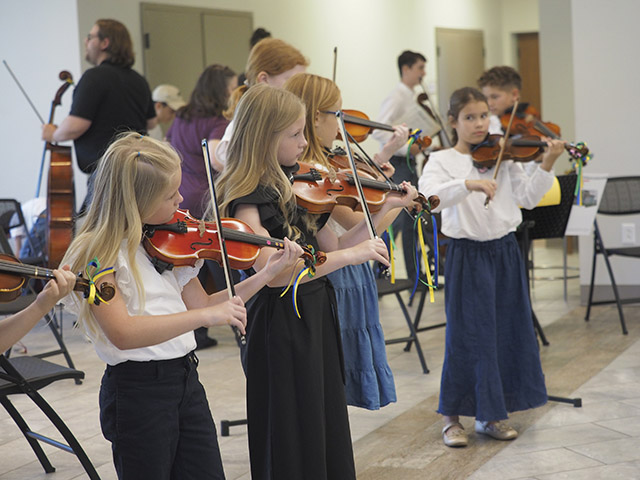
(109, 98)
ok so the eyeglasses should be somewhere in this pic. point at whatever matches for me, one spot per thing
(89, 37)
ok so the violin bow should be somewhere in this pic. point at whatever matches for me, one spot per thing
(335, 61)
(365, 208)
(377, 167)
(223, 246)
(502, 147)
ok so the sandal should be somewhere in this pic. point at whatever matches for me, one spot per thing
(453, 435)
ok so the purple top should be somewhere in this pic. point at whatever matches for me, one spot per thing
(186, 138)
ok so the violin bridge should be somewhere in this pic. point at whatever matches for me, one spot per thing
(201, 228)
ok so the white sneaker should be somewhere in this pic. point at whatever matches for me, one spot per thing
(497, 430)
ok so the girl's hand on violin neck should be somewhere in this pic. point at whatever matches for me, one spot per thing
(553, 151)
(486, 186)
(407, 198)
(375, 250)
(398, 139)
(231, 312)
(56, 289)
(283, 260)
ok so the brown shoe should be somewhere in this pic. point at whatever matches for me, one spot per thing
(453, 435)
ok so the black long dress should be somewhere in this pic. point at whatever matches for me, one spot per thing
(296, 406)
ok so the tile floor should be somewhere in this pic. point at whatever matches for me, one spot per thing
(601, 440)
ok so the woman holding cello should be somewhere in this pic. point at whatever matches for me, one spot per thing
(492, 365)
(369, 379)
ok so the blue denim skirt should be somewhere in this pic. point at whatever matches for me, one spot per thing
(492, 363)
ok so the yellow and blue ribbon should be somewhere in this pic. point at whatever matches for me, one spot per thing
(294, 283)
(93, 274)
(579, 163)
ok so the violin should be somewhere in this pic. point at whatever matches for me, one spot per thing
(13, 275)
(186, 239)
(519, 149)
(320, 190)
(359, 126)
(338, 159)
(526, 122)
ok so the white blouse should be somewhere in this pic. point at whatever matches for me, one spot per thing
(163, 295)
(463, 211)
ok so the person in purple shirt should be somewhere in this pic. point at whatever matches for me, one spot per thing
(202, 118)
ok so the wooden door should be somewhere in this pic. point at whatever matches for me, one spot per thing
(529, 68)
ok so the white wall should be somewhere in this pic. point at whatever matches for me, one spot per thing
(589, 83)
(39, 39)
(590, 79)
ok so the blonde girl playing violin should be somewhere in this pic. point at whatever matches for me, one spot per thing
(369, 380)
(296, 408)
(492, 365)
(153, 409)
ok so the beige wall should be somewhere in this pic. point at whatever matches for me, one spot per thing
(588, 84)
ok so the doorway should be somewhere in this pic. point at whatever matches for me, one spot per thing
(179, 42)
(460, 57)
(529, 68)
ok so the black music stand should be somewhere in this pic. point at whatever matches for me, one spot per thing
(547, 222)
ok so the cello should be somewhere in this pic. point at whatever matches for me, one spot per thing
(60, 186)
(60, 189)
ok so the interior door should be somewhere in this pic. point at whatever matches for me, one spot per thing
(226, 38)
(529, 68)
(460, 62)
(173, 53)
(179, 42)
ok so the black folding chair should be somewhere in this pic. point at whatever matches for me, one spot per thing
(53, 322)
(621, 196)
(26, 375)
(385, 287)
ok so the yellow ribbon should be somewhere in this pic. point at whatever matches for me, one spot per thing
(423, 251)
(93, 291)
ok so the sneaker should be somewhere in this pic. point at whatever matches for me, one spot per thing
(453, 435)
(497, 430)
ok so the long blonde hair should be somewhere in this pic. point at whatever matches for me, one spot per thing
(270, 55)
(319, 94)
(263, 114)
(132, 178)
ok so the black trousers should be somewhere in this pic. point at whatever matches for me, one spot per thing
(157, 418)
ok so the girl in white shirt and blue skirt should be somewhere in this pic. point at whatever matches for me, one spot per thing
(492, 364)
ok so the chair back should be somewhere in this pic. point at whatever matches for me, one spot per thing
(621, 196)
(33, 249)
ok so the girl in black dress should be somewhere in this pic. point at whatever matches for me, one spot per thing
(296, 407)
